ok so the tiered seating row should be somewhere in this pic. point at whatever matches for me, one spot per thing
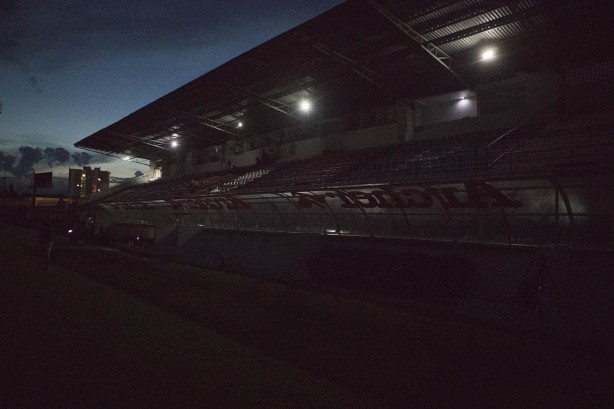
(190, 185)
(241, 180)
(446, 158)
(522, 152)
(321, 171)
(588, 149)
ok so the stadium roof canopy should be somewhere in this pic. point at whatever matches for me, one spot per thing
(363, 53)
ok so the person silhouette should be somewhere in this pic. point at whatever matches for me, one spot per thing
(45, 241)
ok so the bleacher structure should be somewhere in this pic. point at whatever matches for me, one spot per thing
(528, 152)
(416, 144)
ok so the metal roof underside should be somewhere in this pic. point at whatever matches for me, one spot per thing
(354, 56)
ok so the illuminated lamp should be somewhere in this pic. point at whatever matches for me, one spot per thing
(240, 125)
(463, 102)
(489, 54)
(305, 105)
(174, 144)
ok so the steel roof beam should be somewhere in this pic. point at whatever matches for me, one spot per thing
(131, 146)
(269, 102)
(107, 142)
(276, 105)
(364, 72)
(116, 155)
(431, 48)
(219, 126)
(229, 129)
(441, 56)
(154, 143)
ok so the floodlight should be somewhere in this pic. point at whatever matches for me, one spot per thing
(305, 105)
(488, 54)
(174, 144)
(240, 125)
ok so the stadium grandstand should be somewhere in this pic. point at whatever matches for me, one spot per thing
(455, 153)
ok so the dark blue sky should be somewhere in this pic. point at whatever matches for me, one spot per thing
(70, 68)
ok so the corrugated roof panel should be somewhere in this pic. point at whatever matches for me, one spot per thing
(466, 24)
(505, 11)
(425, 12)
(355, 30)
(504, 32)
(442, 12)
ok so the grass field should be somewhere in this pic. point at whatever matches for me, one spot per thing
(109, 329)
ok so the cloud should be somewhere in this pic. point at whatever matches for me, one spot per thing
(82, 158)
(7, 162)
(30, 156)
(57, 156)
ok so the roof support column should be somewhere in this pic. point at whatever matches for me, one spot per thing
(405, 118)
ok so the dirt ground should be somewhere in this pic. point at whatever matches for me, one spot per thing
(106, 329)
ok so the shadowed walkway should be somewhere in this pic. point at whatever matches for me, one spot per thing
(70, 342)
(106, 329)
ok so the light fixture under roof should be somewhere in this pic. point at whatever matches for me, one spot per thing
(305, 105)
(488, 54)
